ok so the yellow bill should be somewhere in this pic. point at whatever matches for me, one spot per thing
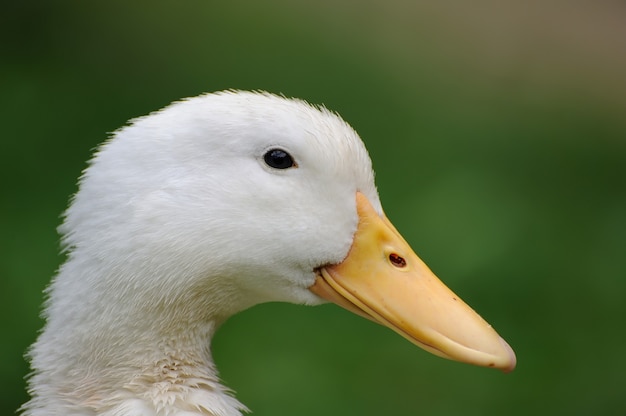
(382, 279)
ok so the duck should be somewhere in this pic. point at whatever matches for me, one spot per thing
(201, 210)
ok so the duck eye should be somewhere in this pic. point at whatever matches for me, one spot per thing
(278, 159)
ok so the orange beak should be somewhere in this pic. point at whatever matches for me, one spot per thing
(382, 279)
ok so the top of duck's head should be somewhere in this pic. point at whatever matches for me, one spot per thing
(222, 201)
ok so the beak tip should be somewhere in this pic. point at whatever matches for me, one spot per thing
(512, 359)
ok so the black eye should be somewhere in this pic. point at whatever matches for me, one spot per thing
(278, 159)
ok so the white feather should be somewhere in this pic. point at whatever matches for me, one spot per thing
(177, 225)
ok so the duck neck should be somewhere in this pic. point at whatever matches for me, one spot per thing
(128, 357)
(177, 376)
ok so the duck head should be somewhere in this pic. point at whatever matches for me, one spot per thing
(252, 198)
(205, 208)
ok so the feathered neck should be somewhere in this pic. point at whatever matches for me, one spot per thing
(126, 355)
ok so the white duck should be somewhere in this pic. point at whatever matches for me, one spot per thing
(201, 210)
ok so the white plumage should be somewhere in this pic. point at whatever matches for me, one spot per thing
(179, 223)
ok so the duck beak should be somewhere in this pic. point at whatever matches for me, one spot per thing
(382, 279)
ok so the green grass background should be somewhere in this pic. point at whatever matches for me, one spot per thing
(498, 133)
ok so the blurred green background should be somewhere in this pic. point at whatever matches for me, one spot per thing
(498, 133)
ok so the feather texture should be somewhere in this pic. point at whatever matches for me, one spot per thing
(178, 224)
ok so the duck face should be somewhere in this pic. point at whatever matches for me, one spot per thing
(246, 194)
(259, 198)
